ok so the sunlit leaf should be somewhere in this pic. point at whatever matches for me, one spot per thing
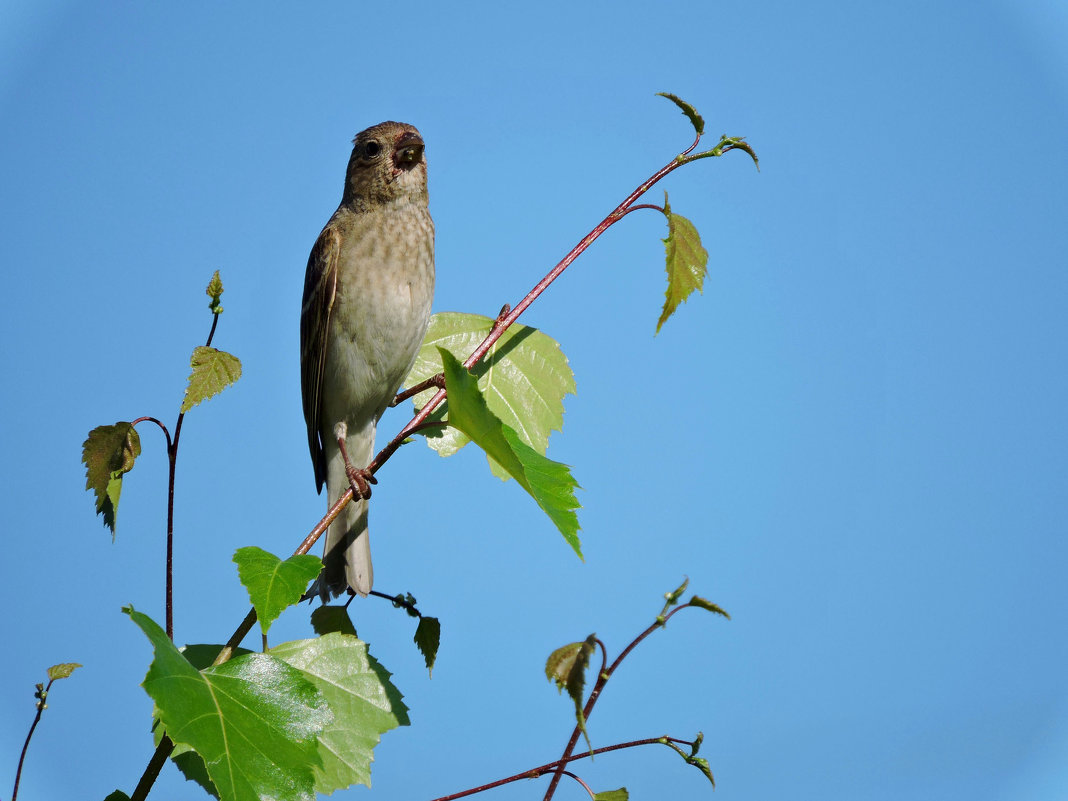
(254, 719)
(686, 263)
(364, 701)
(274, 584)
(62, 670)
(523, 378)
(549, 483)
(213, 371)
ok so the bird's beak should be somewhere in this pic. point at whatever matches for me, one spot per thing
(408, 150)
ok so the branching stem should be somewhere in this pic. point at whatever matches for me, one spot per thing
(419, 422)
(42, 695)
(509, 315)
(541, 770)
(172, 460)
(602, 680)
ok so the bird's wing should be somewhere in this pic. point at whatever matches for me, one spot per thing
(320, 288)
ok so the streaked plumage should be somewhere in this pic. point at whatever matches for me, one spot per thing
(367, 296)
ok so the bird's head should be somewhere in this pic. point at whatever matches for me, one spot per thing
(387, 165)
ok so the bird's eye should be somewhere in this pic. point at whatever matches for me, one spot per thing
(372, 149)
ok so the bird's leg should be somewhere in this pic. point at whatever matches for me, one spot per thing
(360, 479)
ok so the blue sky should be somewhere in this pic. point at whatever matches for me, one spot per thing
(855, 440)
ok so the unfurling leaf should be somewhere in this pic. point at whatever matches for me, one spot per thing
(523, 378)
(213, 371)
(691, 758)
(427, 640)
(108, 454)
(273, 584)
(724, 145)
(549, 483)
(214, 291)
(700, 738)
(729, 143)
(690, 112)
(567, 667)
(702, 603)
(687, 262)
(62, 670)
(702, 765)
(672, 598)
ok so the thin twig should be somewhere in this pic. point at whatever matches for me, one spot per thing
(41, 696)
(541, 770)
(162, 427)
(576, 778)
(399, 600)
(434, 381)
(644, 206)
(510, 315)
(172, 462)
(418, 422)
(602, 680)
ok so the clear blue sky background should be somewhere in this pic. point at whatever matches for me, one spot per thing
(855, 440)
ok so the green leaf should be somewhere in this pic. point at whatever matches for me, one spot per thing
(549, 483)
(62, 670)
(700, 738)
(118, 795)
(687, 262)
(253, 719)
(672, 598)
(273, 584)
(567, 667)
(213, 371)
(188, 761)
(702, 765)
(109, 453)
(524, 379)
(692, 759)
(702, 603)
(427, 640)
(326, 619)
(364, 701)
(729, 143)
(191, 765)
(725, 145)
(691, 113)
(613, 795)
(214, 291)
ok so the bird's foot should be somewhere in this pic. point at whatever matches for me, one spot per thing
(360, 480)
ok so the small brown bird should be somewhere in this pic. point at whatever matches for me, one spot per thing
(367, 296)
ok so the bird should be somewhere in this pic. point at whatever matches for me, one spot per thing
(368, 290)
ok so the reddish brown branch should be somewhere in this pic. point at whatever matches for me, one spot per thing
(541, 770)
(602, 680)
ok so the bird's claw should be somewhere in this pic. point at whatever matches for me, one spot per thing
(360, 481)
